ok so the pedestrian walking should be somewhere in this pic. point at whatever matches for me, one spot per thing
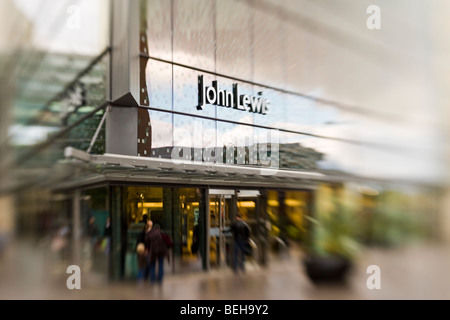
(241, 234)
(142, 251)
(157, 251)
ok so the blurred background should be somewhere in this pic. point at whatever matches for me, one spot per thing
(365, 108)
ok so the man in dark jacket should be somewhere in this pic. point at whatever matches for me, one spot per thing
(241, 234)
(157, 251)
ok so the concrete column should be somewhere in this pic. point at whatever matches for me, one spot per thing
(122, 117)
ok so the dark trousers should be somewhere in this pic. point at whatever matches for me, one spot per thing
(153, 277)
(143, 273)
(239, 255)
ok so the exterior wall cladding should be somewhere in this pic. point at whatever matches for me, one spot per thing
(234, 49)
(316, 117)
(298, 85)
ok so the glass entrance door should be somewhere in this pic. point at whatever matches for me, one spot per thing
(220, 217)
(250, 205)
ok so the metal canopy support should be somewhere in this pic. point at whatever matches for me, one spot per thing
(94, 138)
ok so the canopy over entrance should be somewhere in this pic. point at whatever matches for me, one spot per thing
(93, 169)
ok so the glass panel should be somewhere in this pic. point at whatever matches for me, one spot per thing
(246, 206)
(194, 139)
(278, 113)
(186, 91)
(183, 140)
(273, 209)
(297, 208)
(205, 138)
(81, 136)
(159, 28)
(162, 134)
(236, 142)
(63, 109)
(247, 209)
(159, 84)
(301, 51)
(300, 114)
(58, 42)
(268, 52)
(232, 112)
(193, 33)
(299, 151)
(234, 39)
(95, 224)
(189, 215)
(266, 151)
(327, 119)
(220, 240)
(141, 204)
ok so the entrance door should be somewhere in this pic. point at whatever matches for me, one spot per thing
(220, 217)
(250, 205)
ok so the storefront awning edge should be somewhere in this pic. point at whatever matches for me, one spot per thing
(114, 168)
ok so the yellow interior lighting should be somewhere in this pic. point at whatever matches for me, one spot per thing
(273, 203)
(150, 205)
(293, 202)
(246, 204)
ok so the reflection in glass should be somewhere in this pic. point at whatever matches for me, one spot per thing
(237, 143)
(140, 205)
(186, 95)
(231, 113)
(273, 213)
(206, 135)
(220, 240)
(162, 134)
(296, 206)
(159, 84)
(188, 212)
(94, 216)
(296, 153)
(300, 113)
(183, 137)
(194, 139)
(267, 147)
(278, 114)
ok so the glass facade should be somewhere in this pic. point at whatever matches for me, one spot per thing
(239, 83)
(266, 51)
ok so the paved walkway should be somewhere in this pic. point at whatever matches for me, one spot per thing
(414, 272)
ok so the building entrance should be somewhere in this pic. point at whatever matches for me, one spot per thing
(223, 207)
(221, 204)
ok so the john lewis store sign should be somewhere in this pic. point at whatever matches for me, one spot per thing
(230, 99)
